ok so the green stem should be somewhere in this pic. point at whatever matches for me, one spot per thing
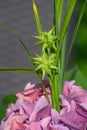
(54, 80)
(57, 92)
(62, 62)
(44, 88)
(16, 70)
(54, 83)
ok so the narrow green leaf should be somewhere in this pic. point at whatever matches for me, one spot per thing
(26, 49)
(75, 31)
(55, 19)
(39, 28)
(62, 62)
(59, 12)
(66, 21)
(67, 17)
(8, 28)
(19, 38)
(16, 70)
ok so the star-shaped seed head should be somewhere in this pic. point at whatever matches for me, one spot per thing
(47, 40)
(45, 64)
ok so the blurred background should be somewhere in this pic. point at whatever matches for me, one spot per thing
(18, 14)
(81, 40)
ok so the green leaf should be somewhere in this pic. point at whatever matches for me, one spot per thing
(39, 28)
(26, 49)
(75, 31)
(59, 5)
(16, 70)
(70, 74)
(2, 112)
(10, 98)
(57, 10)
(67, 17)
(19, 38)
(5, 102)
(66, 21)
(62, 62)
(82, 63)
(81, 79)
(77, 75)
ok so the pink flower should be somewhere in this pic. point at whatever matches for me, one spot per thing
(33, 92)
(33, 112)
(75, 93)
(74, 101)
(27, 116)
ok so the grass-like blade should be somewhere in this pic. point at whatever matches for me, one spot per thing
(66, 21)
(59, 12)
(25, 48)
(16, 70)
(75, 31)
(62, 61)
(38, 24)
(19, 38)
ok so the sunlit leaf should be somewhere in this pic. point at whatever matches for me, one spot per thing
(59, 12)
(39, 28)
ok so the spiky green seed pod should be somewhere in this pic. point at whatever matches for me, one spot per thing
(47, 40)
(45, 64)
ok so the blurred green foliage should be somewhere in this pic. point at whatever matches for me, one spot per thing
(78, 71)
(81, 46)
(5, 103)
(77, 75)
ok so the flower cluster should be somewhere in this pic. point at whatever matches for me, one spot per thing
(33, 112)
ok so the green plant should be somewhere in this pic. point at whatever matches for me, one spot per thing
(51, 63)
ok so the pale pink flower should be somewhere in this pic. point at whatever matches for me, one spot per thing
(27, 116)
(74, 102)
(33, 112)
(33, 92)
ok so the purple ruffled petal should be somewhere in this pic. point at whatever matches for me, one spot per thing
(33, 112)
